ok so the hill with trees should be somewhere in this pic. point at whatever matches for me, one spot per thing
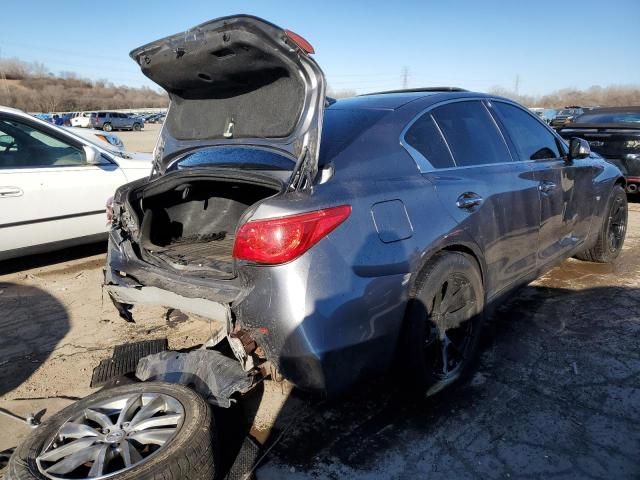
(31, 87)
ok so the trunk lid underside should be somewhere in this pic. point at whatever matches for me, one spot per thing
(236, 80)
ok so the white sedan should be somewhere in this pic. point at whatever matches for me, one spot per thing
(54, 184)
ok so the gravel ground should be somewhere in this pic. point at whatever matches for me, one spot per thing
(556, 395)
(142, 141)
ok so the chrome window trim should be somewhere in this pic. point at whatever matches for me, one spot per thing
(423, 164)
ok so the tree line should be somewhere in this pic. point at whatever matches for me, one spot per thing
(595, 96)
(31, 87)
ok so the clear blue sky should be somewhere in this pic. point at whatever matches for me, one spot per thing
(361, 45)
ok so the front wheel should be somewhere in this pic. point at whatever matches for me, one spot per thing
(144, 431)
(613, 231)
(444, 321)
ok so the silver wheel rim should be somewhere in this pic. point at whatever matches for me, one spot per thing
(111, 436)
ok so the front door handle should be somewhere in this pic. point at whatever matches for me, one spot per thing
(546, 187)
(468, 200)
(10, 192)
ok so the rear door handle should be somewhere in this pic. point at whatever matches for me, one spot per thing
(10, 192)
(468, 200)
(546, 187)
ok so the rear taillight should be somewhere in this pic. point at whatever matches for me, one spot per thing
(300, 41)
(280, 240)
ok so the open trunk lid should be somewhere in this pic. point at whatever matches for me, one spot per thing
(238, 80)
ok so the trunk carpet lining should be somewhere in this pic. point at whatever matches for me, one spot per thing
(212, 253)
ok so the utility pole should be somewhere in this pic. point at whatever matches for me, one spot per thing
(405, 77)
(517, 84)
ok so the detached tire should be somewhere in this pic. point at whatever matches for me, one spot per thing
(444, 321)
(613, 231)
(141, 431)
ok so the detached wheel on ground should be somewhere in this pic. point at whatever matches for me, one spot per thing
(444, 322)
(141, 431)
(613, 231)
(107, 127)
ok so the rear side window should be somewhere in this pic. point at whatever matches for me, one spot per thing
(341, 128)
(102, 115)
(471, 133)
(532, 140)
(425, 139)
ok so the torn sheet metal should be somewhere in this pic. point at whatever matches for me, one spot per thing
(210, 373)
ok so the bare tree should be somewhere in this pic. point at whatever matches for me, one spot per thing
(611, 96)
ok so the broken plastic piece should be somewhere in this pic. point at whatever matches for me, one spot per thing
(210, 373)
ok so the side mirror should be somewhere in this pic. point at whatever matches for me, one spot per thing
(93, 156)
(578, 148)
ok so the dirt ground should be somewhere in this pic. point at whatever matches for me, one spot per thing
(142, 141)
(556, 394)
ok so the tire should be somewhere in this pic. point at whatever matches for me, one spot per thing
(136, 127)
(107, 127)
(190, 451)
(613, 231)
(447, 273)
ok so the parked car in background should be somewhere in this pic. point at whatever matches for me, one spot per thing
(137, 118)
(44, 117)
(108, 121)
(82, 119)
(565, 116)
(90, 134)
(614, 133)
(54, 184)
(157, 118)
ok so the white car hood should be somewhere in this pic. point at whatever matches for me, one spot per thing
(135, 165)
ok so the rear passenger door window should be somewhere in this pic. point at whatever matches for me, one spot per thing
(426, 145)
(531, 139)
(471, 133)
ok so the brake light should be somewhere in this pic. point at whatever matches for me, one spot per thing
(300, 41)
(280, 240)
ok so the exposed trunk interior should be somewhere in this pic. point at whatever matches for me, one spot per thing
(189, 223)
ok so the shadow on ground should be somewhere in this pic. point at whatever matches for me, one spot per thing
(556, 395)
(28, 336)
(40, 260)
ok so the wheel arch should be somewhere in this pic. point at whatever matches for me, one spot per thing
(466, 247)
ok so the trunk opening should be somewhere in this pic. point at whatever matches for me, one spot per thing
(190, 223)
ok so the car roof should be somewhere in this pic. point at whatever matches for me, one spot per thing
(398, 98)
(614, 110)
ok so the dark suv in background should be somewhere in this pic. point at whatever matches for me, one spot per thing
(614, 133)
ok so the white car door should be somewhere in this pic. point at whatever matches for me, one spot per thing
(48, 192)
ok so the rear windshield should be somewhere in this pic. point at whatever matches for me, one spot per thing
(609, 117)
(342, 127)
(250, 158)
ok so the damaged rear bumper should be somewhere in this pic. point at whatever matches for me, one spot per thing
(320, 344)
(160, 287)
